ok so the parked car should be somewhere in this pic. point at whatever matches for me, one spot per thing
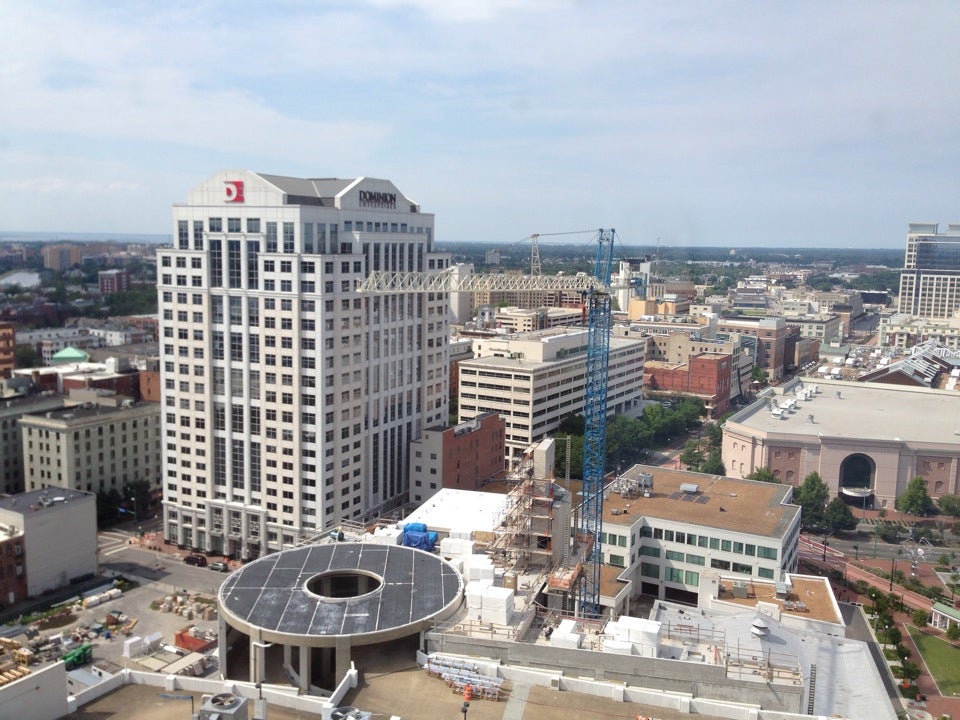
(198, 560)
(219, 567)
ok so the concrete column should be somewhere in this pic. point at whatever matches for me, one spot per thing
(288, 655)
(222, 630)
(343, 657)
(305, 668)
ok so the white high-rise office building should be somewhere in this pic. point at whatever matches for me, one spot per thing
(289, 399)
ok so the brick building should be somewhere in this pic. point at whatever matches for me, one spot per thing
(113, 281)
(704, 375)
(8, 346)
(462, 457)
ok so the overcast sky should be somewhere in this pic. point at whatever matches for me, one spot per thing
(706, 124)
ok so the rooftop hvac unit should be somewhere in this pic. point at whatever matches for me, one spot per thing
(224, 706)
(350, 713)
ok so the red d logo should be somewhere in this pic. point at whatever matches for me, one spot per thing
(233, 191)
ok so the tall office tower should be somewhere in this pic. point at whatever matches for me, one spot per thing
(289, 399)
(930, 280)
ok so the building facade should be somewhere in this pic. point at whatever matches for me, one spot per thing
(95, 446)
(462, 457)
(666, 528)
(703, 375)
(514, 319)
(535, 380)
(11, 442)
(289, 399)
(866, 440)
(8, 348)
(930, 279)
(58, 529)
(113, 281)
(825, 327)
(771, 335)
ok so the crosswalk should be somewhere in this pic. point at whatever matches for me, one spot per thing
(110, 542)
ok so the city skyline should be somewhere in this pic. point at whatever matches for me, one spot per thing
(743, 126)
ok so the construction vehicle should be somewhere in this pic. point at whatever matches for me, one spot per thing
(80, 655)
(584, 562)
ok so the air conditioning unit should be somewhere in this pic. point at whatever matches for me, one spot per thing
(224, 706)
(349, 713)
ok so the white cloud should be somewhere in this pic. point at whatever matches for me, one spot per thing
(600, 108)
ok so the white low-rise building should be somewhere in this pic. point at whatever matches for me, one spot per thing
(666, 528)
(59, 529)
(535, 380)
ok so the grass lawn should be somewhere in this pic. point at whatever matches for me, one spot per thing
(942, 659)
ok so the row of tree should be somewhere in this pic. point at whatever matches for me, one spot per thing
(629, 440)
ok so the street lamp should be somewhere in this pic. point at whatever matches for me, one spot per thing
(466, 706)
(856, 551)
(825, 535)
(893, 570)
(136, 515)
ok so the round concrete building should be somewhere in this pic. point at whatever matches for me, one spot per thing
(298, 613)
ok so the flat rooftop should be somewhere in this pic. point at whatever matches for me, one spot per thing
(809, 598)
(719, 502)
(465, 510)
(863, 411)
(38, 499)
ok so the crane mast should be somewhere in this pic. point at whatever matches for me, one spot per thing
(597, 289)
(595, 421)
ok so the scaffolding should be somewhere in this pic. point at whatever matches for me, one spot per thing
(533, 525)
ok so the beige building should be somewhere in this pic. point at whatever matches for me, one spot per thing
(867, 441)
(904, 331)
(11, 443)
(535, 380)
(824, 327)
(514, 319)
(104, 443)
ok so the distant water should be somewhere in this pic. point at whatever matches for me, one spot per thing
(21, 278)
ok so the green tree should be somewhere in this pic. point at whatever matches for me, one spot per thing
(713, 465)
(949, 505)
(758, 374)
(107, 504)
(26, 356)
(627, 442)
(763, 474)
(692, 456)
(576, 456)
(713, 435)
(919, 618)
(837, 516)
(953, 631)
(572, 425)
(909, 670)
(915, 499)
(812, 496)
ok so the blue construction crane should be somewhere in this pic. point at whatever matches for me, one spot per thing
(588, 558)
(595, 422)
